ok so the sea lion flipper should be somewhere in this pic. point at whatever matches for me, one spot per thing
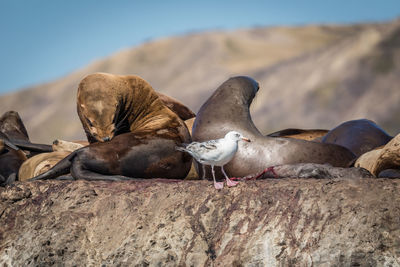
(10, 145)
(26, 145)
(65, 177)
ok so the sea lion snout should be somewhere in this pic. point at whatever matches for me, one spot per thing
(107, 138)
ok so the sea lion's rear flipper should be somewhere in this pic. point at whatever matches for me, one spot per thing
(61, 168)
(26, 145)
(79, 172)
(11, 178)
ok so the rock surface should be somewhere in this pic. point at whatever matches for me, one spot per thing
(273, 222)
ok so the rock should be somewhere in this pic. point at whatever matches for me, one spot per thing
(387, 157)
(272, 222)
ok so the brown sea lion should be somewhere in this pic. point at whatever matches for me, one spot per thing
(39, 164)
(359, 136)
(228, 109)
(380, 159)
(309, 135)
(107, 105)
(147, 151)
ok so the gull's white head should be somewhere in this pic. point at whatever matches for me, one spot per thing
(236, 136)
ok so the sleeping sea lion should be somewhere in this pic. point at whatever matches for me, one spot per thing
(107, 105)
(228, 109)
(11, 158)
(381, 158)
(41, 163)
(146, 150)
(359, 136)
(14, 138)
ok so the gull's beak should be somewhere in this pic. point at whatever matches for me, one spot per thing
(246, 139)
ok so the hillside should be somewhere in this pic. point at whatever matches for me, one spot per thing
(310, 76)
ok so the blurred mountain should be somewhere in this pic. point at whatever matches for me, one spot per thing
(310, 77)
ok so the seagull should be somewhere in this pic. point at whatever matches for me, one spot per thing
(216, 152)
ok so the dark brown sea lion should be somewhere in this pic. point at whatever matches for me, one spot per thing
(11, 158)
(228, 109)
(12, 126)
(109, 105)
(147, 151)
(129, 155)
(14, 138)
(359, 136)
(309, 135)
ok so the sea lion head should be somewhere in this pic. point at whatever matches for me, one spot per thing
(102, 129)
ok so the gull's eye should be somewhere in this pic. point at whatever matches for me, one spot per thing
(237, 135)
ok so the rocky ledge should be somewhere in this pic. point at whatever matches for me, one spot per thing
(272, 222)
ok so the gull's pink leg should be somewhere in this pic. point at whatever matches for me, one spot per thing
(218, 185)
(229, 182)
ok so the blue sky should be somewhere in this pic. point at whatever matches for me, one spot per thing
(42, 40)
